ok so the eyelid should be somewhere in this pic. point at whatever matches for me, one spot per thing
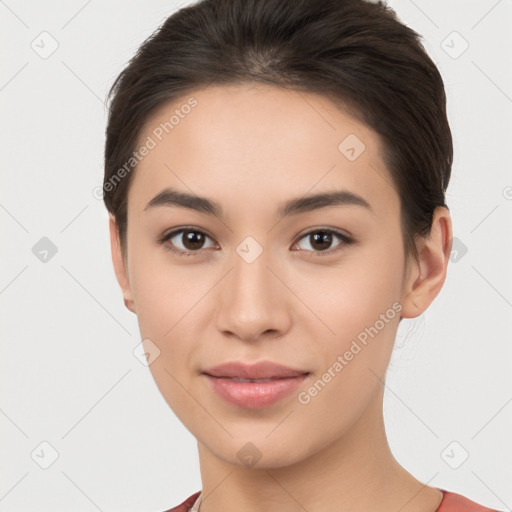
(171, 234)
(341, 233)
(346, 240)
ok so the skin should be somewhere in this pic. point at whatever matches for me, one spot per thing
(250, 148)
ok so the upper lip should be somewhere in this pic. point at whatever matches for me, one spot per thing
(261, 370)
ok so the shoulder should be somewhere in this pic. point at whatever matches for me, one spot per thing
(183, 507)
(453, 502)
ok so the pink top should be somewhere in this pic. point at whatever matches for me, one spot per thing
(451, 502)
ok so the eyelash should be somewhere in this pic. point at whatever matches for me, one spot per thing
(162, 240)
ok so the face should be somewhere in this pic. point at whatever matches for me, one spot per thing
(319, 288)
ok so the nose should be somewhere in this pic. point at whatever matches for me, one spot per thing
(252, 301)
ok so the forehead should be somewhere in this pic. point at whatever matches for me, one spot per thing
(258, 143)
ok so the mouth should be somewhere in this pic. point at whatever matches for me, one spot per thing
(254, 393)
(241, 379)
(261, 371)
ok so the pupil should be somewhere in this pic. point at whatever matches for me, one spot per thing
(322, 237)
(193, 239)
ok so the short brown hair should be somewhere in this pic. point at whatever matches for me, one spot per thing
(352, 51)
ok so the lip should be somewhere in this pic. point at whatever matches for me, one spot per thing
(261, 370)
(281, 381)
(254, 395)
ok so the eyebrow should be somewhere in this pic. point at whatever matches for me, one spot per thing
(172, 197)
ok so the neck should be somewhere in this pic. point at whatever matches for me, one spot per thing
(356, 473)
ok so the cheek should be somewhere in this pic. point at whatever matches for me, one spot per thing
(163, 292)
(172, 310)
(169, 309)
(358, 304)
(361, 309)
(352, 296)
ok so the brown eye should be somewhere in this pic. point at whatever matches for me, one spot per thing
(186, 241)
(321, 240)
(192, 240)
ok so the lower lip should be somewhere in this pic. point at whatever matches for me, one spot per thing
(254, 395)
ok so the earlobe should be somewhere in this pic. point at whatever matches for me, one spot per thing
(119, 264)
(427, 278)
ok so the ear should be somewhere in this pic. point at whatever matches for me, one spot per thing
(120, 264)
(426, 279)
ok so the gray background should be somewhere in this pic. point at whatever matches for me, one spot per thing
(69, 377)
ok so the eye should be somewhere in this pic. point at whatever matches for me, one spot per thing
(320, 241)
(185, 241)
(189, 240)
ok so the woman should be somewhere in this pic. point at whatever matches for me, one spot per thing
(275, 174)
